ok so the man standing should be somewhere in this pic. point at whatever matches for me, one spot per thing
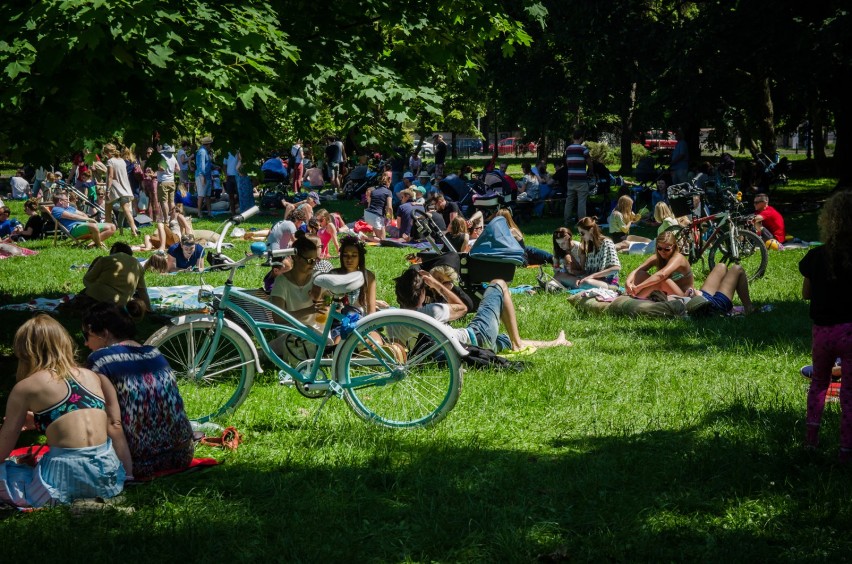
(335, 154)
(204, 175)
(231, 163)
(680, 159)
(440, 155)
(773, 221)
(577, 164)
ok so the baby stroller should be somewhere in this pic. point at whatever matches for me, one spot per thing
(457, 190)
(495, 254)
(360, 180)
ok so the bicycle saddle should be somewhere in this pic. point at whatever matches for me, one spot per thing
(340, 283)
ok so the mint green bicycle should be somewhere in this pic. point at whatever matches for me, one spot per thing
(397, 368)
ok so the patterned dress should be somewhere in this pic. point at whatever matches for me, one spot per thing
(152, 413)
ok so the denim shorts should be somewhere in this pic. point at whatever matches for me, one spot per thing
(718, 301)
(486, 322)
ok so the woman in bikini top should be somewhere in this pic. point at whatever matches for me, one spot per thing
(673, 274)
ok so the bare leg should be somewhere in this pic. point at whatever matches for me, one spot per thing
(510, 322)
(96, 234)
(737, 281)
(200, 206)
(184, 224)
(161, 235)
(714, 280)
(128, 213)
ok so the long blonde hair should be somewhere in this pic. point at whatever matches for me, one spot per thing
(625, 207)
(835, 228)
(513, 227)
(662, 211)
(41, 343)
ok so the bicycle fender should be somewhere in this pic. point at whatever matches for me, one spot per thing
(194, 317)
(445, 330)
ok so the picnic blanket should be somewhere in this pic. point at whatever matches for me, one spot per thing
(8, 250)
(167, 300)
(38, 451)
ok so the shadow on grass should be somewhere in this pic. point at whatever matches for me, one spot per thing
(735, 486)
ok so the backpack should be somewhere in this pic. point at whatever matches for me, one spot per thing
(478, 357)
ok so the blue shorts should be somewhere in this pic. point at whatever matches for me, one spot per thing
(486, 322)
(718, 301)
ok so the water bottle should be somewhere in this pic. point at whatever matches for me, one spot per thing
(209, 428)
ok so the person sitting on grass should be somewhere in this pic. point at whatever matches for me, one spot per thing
(620, 221)
(483, 331)
(458, 235)
(533, 255)
(599, 262)
(673, 274)
(147, 421)
(114, 279)
(66, 403)
(78, 224)
(186, 255)
(566, 252)
(352, 258)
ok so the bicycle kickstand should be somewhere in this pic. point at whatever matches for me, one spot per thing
(334, 389)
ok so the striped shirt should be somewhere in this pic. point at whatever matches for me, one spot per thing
(575, 161)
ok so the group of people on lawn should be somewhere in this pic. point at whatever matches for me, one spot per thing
(122, 417)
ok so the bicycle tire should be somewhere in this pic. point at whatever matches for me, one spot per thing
(418, 368)
(753, 256)
(229, 376)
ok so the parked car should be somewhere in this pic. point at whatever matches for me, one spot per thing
(656, 139)
(427, 150)
(469, 146)
(512, 146)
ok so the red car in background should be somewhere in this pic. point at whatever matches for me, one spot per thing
(656, 139)
(513, 146)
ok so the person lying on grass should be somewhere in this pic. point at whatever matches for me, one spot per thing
(673, 274)
(482, 331)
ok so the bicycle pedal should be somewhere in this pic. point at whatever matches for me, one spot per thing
(285, 379)
(335, 388)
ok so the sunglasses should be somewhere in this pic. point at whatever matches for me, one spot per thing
(665, 249)
(86, 335)
(310, 261)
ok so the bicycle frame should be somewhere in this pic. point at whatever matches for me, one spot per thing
(716, 230)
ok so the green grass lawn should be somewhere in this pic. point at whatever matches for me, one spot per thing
(649, 440)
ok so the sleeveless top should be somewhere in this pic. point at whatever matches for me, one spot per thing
(78, 397)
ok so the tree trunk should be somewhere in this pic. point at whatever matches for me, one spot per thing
(817, 134)
(627, 116)
(767, 122)
(842, 154)
(453, 149)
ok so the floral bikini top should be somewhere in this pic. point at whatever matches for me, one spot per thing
(78, 397)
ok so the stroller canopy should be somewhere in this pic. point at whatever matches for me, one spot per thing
(454, 188)
(496, 244)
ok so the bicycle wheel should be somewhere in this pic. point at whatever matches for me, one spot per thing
(752, 253)
(399, 371)
(224, 385)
